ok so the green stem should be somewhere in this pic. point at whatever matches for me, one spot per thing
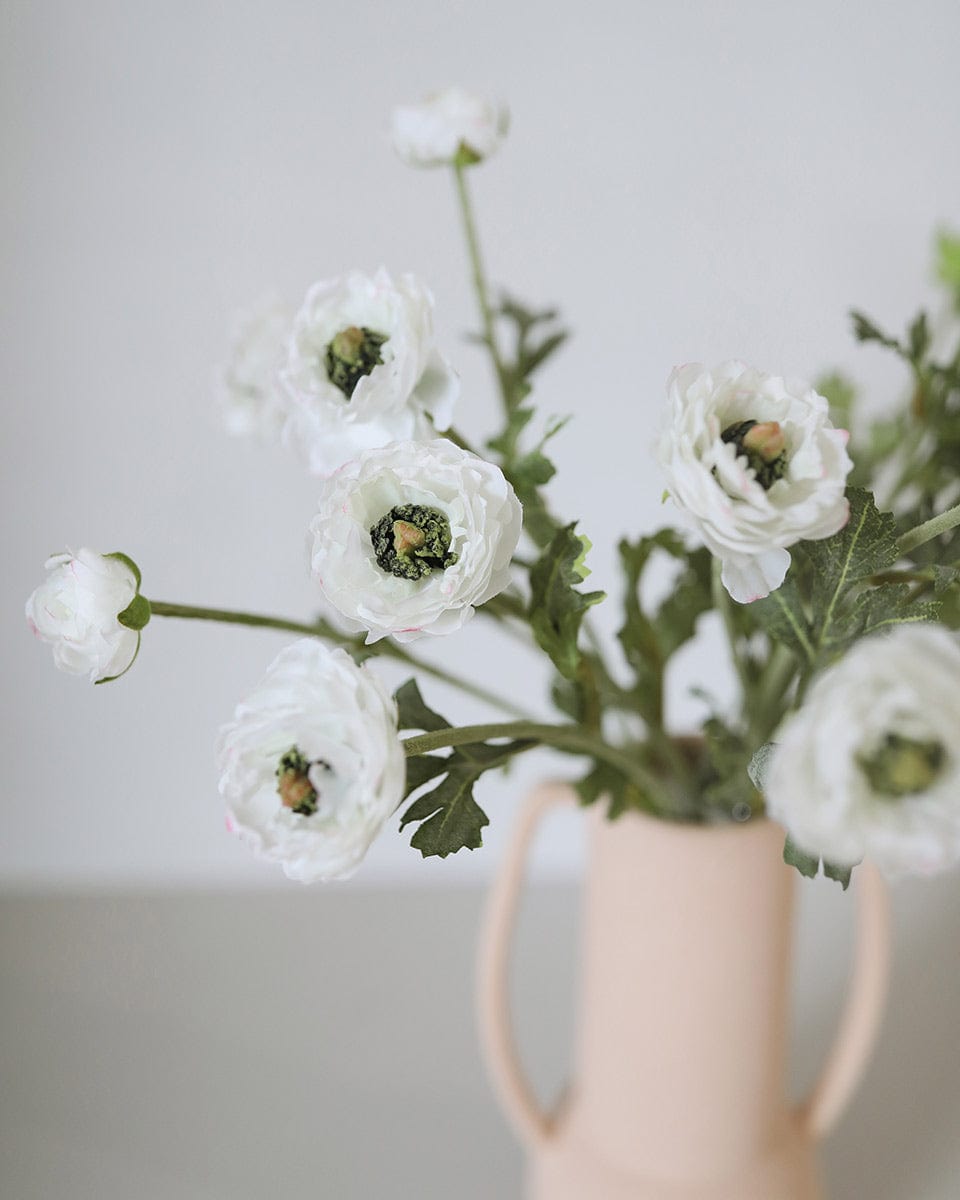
(571, 739)
(930, 529)
(779, 673)
(723, 604)
(321, 629)
(480, 279)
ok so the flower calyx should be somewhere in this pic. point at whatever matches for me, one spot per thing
(903, 766)
(762, 443)
(352, 354)
(412, 540)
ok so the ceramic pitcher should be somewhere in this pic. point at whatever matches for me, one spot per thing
(679, 1078)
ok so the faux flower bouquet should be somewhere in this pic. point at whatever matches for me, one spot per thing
(835, 568)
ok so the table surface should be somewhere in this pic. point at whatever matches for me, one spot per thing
(321, 1044)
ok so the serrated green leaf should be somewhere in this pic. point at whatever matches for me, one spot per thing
(806, 864)
(423, 768)
(865, 546)
(944, 577)
(414, 713)
(137, 613)
(838, 873)
(877, 609)
(782, 616)
(450, 819)
(536, 356)
(864, 330)
(531, 471)
(557, 608)
(649, 640)
(622, 794)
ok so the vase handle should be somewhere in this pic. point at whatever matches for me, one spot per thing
(864, 1007)
(493, 1002)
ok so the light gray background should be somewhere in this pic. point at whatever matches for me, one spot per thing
(688, 181)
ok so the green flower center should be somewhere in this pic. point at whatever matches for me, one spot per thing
(294, 788)
(353, 353)
(411, 540)
(762, 444)
(902, 766)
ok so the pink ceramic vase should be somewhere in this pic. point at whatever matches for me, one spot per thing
(679, 1088)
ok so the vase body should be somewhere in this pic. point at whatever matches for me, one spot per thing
(679, 1076)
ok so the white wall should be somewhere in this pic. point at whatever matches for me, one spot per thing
(689, 181)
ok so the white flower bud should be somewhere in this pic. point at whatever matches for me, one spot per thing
(449, 126)
(75, 611)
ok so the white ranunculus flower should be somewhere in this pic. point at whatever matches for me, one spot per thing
(311, 765)
(449, 125)
(870, 764)
(363, 369)
(249, 384)
(75, 611)
(756, 466)
(409, 539)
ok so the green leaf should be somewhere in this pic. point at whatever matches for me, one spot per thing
(864, 330)
(806, 864)
(423, 768)
(948, 261)
(649, 640)
(414, 714)
(531, 471)
(450, 819)
(839, 873)
(623, 795)
(944, 577)
(127, 562)
(136, 614)
(782, 616)
(918, 338)
(866, 545)
(877, 609)
(536, 356)
(557, 609)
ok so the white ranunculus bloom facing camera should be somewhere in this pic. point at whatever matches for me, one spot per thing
(869, 766)
(410, 539)
(363, 369)
(311, 765)
(755, 466)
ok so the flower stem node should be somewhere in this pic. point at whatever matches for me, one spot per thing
(903, 766)
(352, 354)
(762, 444)
(412, 540)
